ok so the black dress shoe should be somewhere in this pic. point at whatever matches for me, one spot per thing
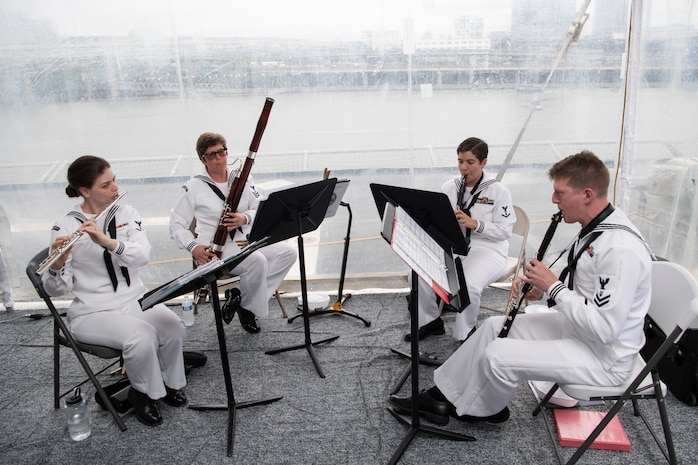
(231, 304)
(248, 321)
(175, 397)
(433, 328)
(498, 417)
(436, 411)
(145, 408)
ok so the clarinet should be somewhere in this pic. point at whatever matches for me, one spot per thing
(514, 305)
(238, 185)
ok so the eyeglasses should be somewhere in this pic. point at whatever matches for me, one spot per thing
(218, 153)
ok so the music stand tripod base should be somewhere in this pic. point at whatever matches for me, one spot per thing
(413, 422)
(311, 351)
(397, 206)
(237, 405)
(188, 282)
(337, 307)
(424, 359)
(302, 209)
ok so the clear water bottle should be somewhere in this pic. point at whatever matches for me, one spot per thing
(187, 312)
(78, 416)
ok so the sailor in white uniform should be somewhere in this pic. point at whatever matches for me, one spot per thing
(486, 215)
(596, 331)
(203, 198)
(101, 271)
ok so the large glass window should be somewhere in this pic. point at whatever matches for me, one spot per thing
(373, 91)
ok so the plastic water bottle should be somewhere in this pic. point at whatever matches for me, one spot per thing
(187, 312)
(78, 416)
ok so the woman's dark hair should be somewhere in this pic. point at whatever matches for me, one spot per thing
(477, 147)
(83, 172)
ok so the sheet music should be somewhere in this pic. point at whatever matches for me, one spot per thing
(199, 271)
(422, 253)
(178, 286)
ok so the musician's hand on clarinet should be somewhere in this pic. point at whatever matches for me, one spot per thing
(464, 220)
(202, 254)
(532, 294)
(537, 274)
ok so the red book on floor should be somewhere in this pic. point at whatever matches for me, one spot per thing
(574, 426)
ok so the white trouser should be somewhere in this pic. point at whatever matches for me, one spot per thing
(480, 378)
(151, 341)
(261, 274)
(5, 285)
(481, 267)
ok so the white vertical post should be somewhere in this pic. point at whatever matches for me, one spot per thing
(632, 77)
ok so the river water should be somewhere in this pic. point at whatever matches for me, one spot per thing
(381, 136)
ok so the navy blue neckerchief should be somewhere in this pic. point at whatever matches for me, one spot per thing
(572, 258)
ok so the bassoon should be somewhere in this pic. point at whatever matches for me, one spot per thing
(514, 304)
(238, 185)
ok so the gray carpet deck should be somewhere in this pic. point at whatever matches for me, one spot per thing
(341, 419)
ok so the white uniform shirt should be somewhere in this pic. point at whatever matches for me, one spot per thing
(613, 292)
(493, 210)
(85, 273)
(198, 200)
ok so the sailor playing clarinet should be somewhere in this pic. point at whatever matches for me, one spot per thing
(600, 302)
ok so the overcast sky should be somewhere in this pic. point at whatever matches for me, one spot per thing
(327, 19)
(288, 18)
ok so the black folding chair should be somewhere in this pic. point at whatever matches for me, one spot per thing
(63, 337)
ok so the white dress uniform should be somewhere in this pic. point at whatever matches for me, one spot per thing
(489, 247)
(5, 285)
(591, 339)
(263, 271)
(106, 312)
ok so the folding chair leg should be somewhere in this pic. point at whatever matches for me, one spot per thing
(56, 369)
(599, 428)
(661, 405)
(545, 400)
(667, 432)
(100, 390)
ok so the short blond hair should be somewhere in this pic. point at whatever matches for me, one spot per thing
(582, 170)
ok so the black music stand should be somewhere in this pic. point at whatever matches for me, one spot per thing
(432, 212)
(337, 308)
(195, 279)
(289, 213)
(418, 204)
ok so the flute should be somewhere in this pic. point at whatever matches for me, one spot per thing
(77, 234)
(514, 304)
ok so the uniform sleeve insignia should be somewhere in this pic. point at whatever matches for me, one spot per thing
(601, 298)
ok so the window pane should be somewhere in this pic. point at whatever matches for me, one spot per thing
(374, 92)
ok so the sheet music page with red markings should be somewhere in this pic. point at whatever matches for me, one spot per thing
(422, 253)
